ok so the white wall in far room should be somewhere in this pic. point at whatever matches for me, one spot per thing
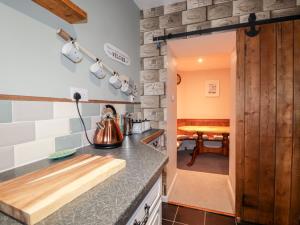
(191, 100)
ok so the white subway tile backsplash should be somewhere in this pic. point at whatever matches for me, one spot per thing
(6, 158)
(31, 131)
(33, 151)
(32, 111)
(94, 120)
(89, 109)
(68, 142)
(129, 108)
(52, 128)
(120, 108)
(5, 111)
(90, 134)
(76, 124)
(65, 110)
(16, 133)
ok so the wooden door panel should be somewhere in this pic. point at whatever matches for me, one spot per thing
(268, 121)
(284, 122)
(295, 200)
(267, 125)
(252, 96)
(240, 121)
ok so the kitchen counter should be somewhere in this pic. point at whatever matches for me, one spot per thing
(114, 200)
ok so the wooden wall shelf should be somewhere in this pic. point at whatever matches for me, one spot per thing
(64, 9)
(51, 99)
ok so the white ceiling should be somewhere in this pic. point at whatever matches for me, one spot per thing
(214, 49)
(146, 4)
(217, 43)
(210, 62)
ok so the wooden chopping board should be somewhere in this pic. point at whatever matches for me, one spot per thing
(34, 196)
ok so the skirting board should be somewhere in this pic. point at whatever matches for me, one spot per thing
(165, 197)
(232, 194)
(202, 209)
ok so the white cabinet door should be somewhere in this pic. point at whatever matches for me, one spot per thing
(156, 218)
(148, 207)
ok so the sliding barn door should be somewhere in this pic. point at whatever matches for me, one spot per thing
(268, 125)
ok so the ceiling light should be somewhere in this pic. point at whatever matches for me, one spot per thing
(200, 60)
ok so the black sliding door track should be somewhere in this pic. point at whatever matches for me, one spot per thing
(252, 23)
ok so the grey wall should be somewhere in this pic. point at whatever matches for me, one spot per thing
(30, 59)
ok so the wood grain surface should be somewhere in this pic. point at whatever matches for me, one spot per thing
(284, 121)
(252, 108)
(65, 9)
(240, 122)
(295, 200)
(267, 125)
(152, 136)
(206, 129)
(51, 99)
(268, 112)
(34, 196)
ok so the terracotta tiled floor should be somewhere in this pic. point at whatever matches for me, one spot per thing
(177, 215)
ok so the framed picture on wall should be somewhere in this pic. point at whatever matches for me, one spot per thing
(212, 88)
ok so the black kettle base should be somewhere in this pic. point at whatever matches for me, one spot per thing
(107, 146)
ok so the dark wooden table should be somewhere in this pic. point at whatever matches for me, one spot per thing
(200, 148)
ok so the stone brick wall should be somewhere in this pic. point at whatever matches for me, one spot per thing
(184, 16)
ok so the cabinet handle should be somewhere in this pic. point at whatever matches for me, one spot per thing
(146, 217)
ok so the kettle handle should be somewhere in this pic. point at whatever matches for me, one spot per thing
(112, 108)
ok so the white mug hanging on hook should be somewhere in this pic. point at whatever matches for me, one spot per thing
(97, 69)
(134, 91)
(115, 81)
(72, 52)
(126, 89)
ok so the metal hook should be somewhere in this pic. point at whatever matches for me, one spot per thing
(252, 32)
(158, 46)
(98, 60)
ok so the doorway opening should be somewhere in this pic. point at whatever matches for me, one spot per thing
(206, 72)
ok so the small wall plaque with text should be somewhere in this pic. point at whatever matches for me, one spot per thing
(116, 54)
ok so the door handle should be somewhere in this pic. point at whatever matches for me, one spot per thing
(145, 218)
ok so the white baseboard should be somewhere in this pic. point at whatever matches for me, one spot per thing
(232, 194)
(166, 197)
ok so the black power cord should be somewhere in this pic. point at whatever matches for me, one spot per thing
(77, 97)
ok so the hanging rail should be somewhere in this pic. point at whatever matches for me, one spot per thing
(252, 22)
(67, 37)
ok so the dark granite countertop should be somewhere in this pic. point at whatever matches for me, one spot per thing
(114, 200)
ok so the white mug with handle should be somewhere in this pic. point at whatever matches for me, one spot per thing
(72, 52)
(98, 70)
(126, 88)
(115, 81)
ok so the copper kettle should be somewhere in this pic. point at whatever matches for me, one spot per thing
(108, 133)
